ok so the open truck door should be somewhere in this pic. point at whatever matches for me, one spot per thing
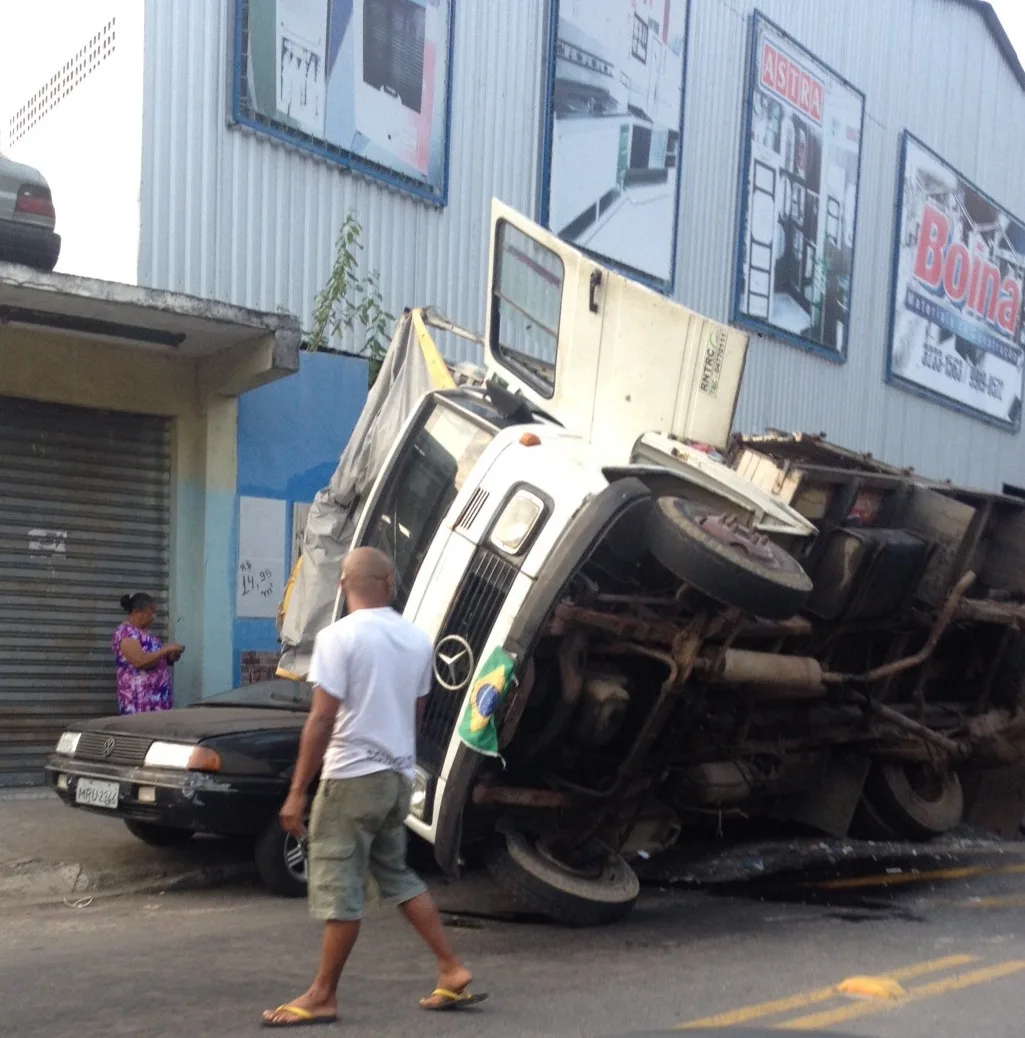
(636, 374)
(605, 356)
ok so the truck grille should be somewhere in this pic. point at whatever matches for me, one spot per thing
(112, 749)
(468, 517)
(473, 614)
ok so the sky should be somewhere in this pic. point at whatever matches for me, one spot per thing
(1012, 16)
(67, 22)
(61, 25)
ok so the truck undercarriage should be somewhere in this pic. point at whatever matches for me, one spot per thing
(653, 703)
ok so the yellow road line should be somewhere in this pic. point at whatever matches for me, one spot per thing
(816, 1021)
(810, 998)
(900, 878)
(903, 878)
(1006, 901)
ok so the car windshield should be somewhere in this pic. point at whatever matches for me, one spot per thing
(274, 695)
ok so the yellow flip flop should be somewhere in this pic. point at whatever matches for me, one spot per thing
(300, 1018)
(453, 999)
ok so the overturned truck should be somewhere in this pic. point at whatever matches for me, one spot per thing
(690, 623)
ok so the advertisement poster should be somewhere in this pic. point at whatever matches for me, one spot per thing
(800, 195)
(364, 82)
(616, 105)
(956, 332)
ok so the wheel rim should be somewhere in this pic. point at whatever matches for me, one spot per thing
(295, 853)
(926, 783)
(729, 530)
(295, 858)
(592, 869)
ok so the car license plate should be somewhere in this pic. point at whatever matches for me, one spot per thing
(93, 793)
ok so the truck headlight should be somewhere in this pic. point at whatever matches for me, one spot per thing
(418, 801)
(517, 522)
(68, 743)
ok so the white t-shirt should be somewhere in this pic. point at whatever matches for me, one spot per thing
(376, 664)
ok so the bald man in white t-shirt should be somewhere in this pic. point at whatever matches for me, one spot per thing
(370, 672)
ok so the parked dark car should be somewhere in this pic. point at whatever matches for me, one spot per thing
(27, 217)
(220, 767)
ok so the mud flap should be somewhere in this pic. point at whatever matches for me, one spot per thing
(995, 798)
(831, 805)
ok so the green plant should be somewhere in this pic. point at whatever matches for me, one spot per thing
(350, 304)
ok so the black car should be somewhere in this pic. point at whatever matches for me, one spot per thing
(221, 767)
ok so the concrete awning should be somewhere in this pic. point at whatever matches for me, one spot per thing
(237, 349)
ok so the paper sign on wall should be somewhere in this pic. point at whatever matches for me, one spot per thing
(260, 577)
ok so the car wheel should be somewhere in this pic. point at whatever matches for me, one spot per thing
(917, 801)
(281, 861)
(600, 890)
(158, 835)
(726, 560)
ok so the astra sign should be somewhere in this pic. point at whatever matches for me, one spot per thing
(956, 331)
(789, 80)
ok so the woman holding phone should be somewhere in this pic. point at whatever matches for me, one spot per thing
(143, 664)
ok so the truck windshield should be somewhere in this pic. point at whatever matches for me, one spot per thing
(420, 489)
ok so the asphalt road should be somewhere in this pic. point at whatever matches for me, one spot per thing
(205, 964)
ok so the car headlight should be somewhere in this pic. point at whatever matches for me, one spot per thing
(517, 522)
(418, 801)
(68, 743)
(182, 755)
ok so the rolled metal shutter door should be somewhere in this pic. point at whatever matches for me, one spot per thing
(84, 518)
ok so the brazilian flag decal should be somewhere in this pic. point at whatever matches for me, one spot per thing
(477, 728)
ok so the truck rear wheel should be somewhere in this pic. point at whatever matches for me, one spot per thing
(600, 891)
(916, 801)
(727, 561)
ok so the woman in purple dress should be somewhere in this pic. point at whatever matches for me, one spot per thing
(143, 664)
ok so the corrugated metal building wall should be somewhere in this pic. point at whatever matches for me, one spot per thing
(231, 215)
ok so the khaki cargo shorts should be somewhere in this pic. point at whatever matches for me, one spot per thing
(356, 830)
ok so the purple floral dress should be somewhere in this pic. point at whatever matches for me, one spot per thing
(141, 691)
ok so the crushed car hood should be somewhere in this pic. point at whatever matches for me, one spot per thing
(198, 722)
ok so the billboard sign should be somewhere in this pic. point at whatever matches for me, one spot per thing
(364, 83)
(799, 201)
(959, 276)
(615, 108)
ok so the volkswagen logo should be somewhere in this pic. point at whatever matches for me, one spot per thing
(108, 746)
(453, 663)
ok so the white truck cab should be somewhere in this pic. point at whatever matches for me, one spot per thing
(495, 497)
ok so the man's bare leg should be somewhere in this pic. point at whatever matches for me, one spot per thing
(321, 998)
(452, 974)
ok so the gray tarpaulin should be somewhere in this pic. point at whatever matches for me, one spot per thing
(403, 380)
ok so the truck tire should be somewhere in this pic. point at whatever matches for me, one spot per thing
(722, 558)
(539, 884)
(916, 803)
(158, 835)
(280, 863)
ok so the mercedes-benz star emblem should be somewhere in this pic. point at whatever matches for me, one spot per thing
(108, 746)
(453, 663)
